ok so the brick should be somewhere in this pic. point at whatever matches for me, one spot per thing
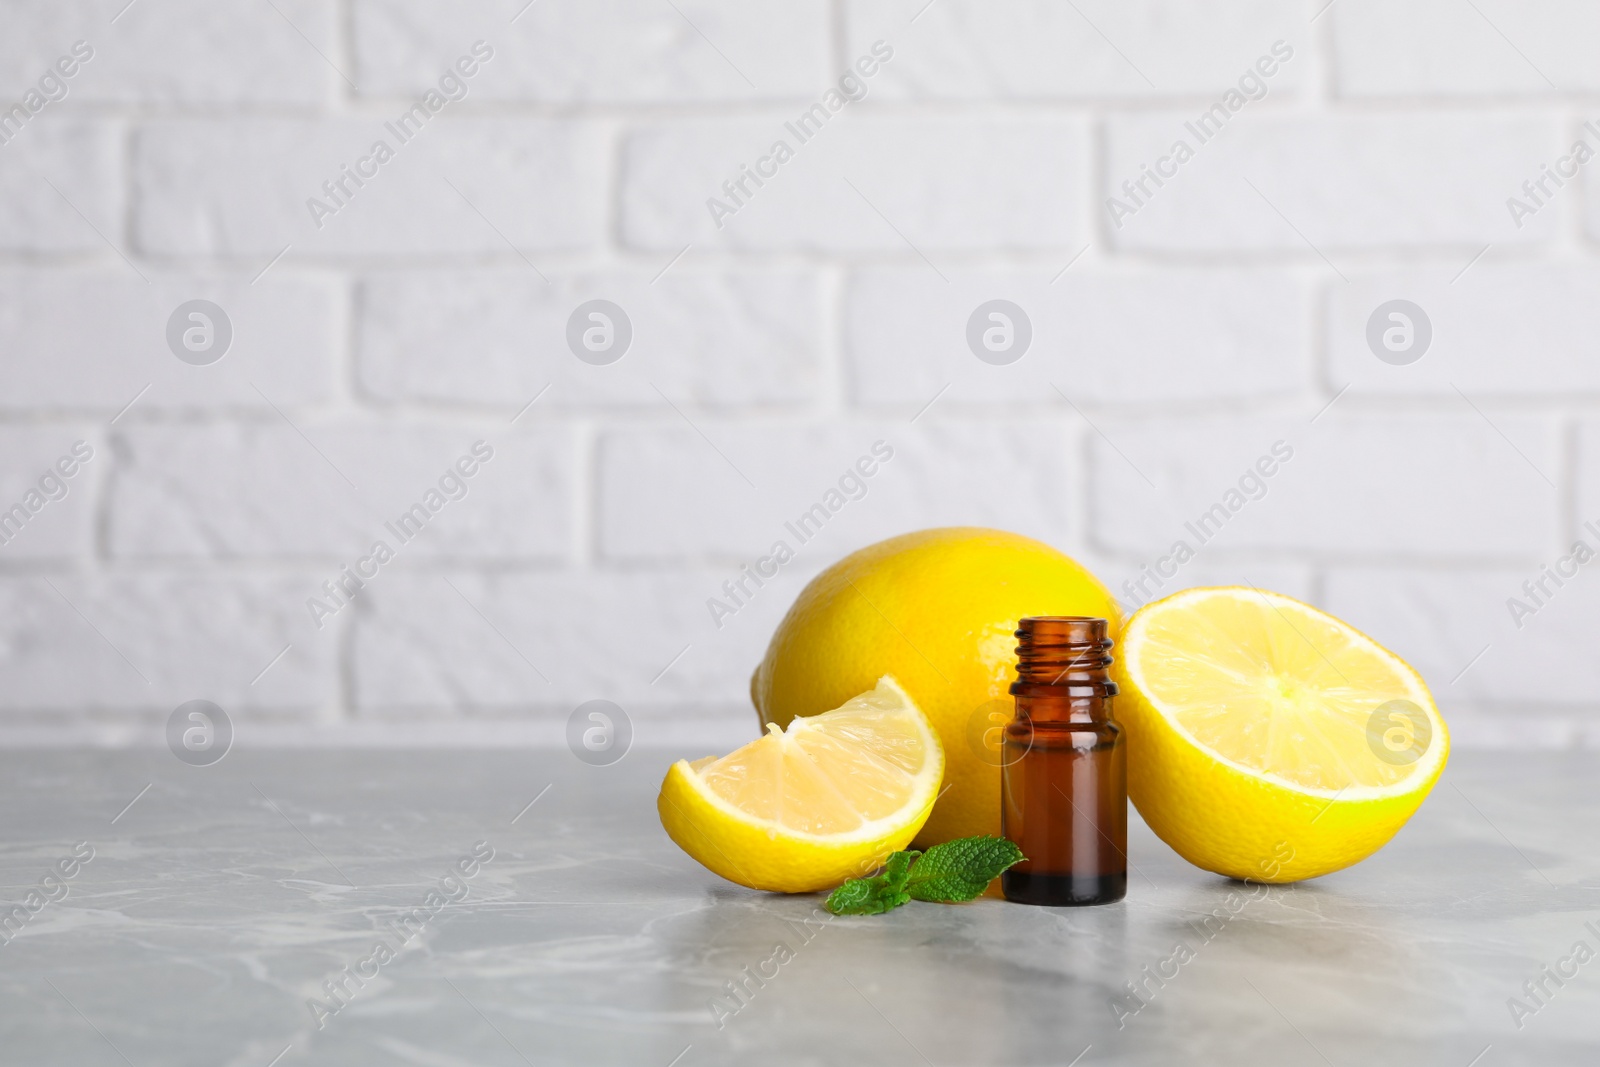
(151, 642)
(1421, 485)
(1136, 583)
(551, 641)
(612, 51)
(942, 183)
(702, 336)
(666, 493)
(174, 51)
(1517, 330)
(241, 187)
(969, 50)
(263, 489)
(1219, 335)
(1441, 620)
(1586, 495)
(1439, 48)
(95, 339)
(1348, 182)
(56, 516)
(1565, 200)
(79, 158)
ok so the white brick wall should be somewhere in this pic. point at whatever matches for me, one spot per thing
(91, 339)
(859, 184)
(822, 309)
(1514, 330)
(1440, 48)
(668, 493)
(611, 51)
(1101, 51)
(1432, 486)
(1101, 335)
(489, 186)
(187, 51)
(325, 489)
(728, 336)
(1302, 182)
(62, 182)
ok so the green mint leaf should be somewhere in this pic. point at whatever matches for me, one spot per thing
(897, 869)
(858, 896)
(877, 894)
(959, 870)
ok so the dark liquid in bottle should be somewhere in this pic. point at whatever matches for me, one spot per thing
(1064, 769)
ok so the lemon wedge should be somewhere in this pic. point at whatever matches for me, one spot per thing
(805, 807)
(1268, 740)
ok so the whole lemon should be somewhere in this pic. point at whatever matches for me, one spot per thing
(938, 610)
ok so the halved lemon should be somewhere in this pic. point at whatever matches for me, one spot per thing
(804, 808)
(1268, 740)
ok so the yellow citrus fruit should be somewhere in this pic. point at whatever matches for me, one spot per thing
(1268, 740)
(804, 808)
(938, 609)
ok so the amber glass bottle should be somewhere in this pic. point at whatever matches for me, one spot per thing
(1064, 794)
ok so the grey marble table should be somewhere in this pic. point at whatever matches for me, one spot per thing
(217, 910)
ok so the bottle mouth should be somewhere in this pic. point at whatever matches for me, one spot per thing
(1074, 629)
(1068, 650)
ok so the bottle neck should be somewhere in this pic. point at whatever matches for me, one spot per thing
(1062, 666)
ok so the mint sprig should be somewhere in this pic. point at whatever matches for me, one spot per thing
(950, 873)
(878, 894)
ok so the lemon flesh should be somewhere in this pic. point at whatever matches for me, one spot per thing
(806, 807)
(1268, 740)
(937, 609)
